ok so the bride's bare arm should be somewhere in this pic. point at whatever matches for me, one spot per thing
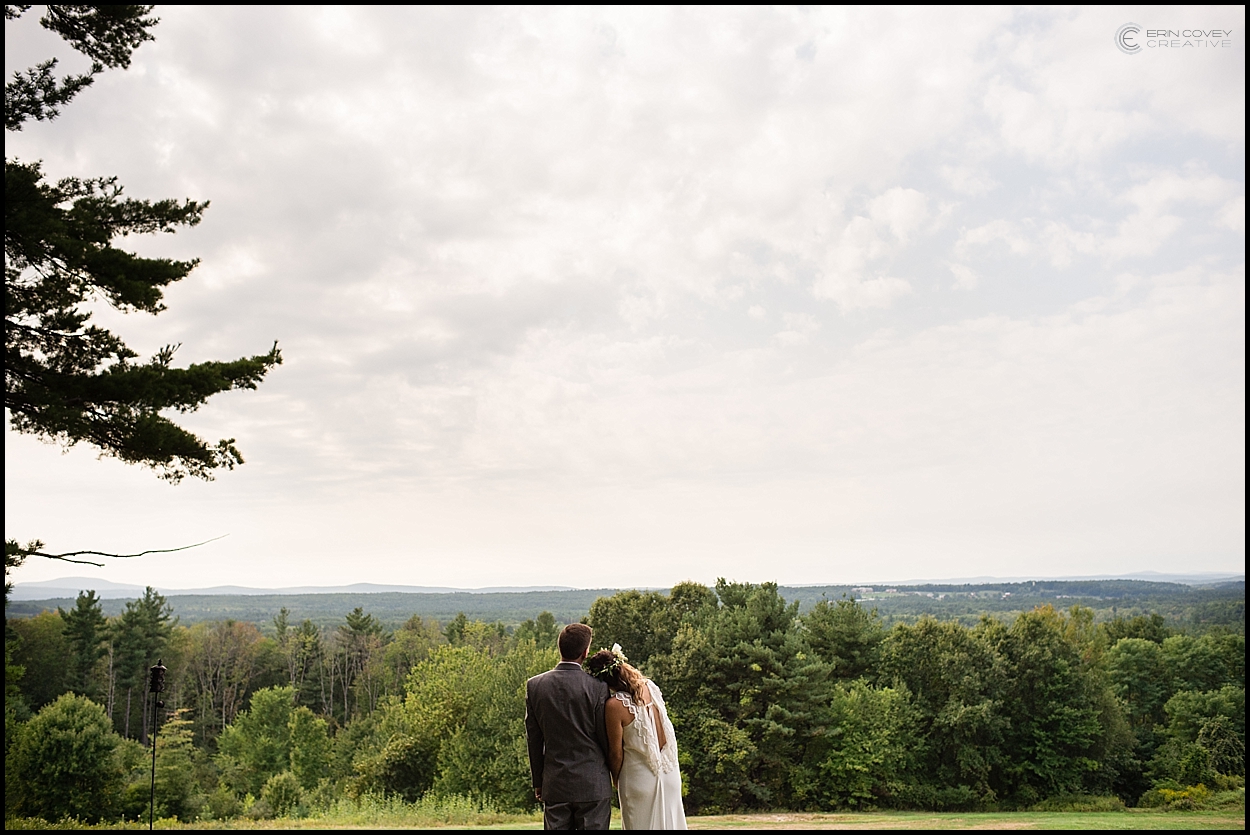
(617, 717)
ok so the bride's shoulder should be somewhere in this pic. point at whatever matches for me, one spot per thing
(655, 691)
(621, 701)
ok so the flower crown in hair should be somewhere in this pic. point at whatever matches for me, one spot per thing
(618, 658)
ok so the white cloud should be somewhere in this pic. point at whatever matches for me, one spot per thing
(1232, 215)
(507, 252)
(967, 180)
(1001, 230)
(902, 210)
(799, 329)
(965, 279)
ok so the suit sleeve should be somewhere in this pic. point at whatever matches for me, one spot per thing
(534, 739)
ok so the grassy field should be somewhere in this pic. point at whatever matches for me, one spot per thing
(1130, 819)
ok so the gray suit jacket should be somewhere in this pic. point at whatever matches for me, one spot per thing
(567, 735)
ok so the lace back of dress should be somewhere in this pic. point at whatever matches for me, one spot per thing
(646, 718)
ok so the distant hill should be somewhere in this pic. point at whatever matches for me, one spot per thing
(70, 586)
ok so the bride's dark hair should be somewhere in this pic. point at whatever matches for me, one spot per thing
(619, 675)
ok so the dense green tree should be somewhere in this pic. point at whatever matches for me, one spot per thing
(484, 753)
(957, 680)
(1151, 628)
(691, 602)
(16, 710)
(542, 631)
(85, 631)
(1189, 710)
(63, 763)
(257, 745)
(411, 644)
(311, 752)
(273, 736)
(844, 634)
(1140, 677)
(459, 728)
(308, 653)
(1206, 662)
(1052, 704)
(41, 651)
(454, 630)
(641, 622)
(1224, 744)
(863, 745)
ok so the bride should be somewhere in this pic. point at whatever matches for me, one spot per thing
(642, 751)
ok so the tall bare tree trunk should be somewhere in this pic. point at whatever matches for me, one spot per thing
(112, 701)
(143, 731)
(126, 725)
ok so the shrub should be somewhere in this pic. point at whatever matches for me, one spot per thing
(257, 809)
(283, 793)
(1188, 798)
(222, 804)
(1080, 803)
(909, 795)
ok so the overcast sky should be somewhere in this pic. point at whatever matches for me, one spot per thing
(625, 297)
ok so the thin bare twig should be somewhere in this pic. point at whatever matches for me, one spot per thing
(68, 556)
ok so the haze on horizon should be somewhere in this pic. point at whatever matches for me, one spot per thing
(621, 297)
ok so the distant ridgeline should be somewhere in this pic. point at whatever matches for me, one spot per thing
(1181, 605)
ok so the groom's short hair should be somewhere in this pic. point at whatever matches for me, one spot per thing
(574, 641)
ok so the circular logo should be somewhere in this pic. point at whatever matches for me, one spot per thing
(1126, 38)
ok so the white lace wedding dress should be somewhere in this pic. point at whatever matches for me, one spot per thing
(650, 782)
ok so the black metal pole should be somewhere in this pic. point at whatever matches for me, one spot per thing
(152, 794)
(156, 683)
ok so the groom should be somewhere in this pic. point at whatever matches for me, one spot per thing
(568, 739)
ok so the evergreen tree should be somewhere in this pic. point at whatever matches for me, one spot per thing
(85, 626)
(745, 696)
(142, 633)
(67, 380)
(359, 639)
(176, 760)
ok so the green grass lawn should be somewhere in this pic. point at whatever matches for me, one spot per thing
(1130, 819)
